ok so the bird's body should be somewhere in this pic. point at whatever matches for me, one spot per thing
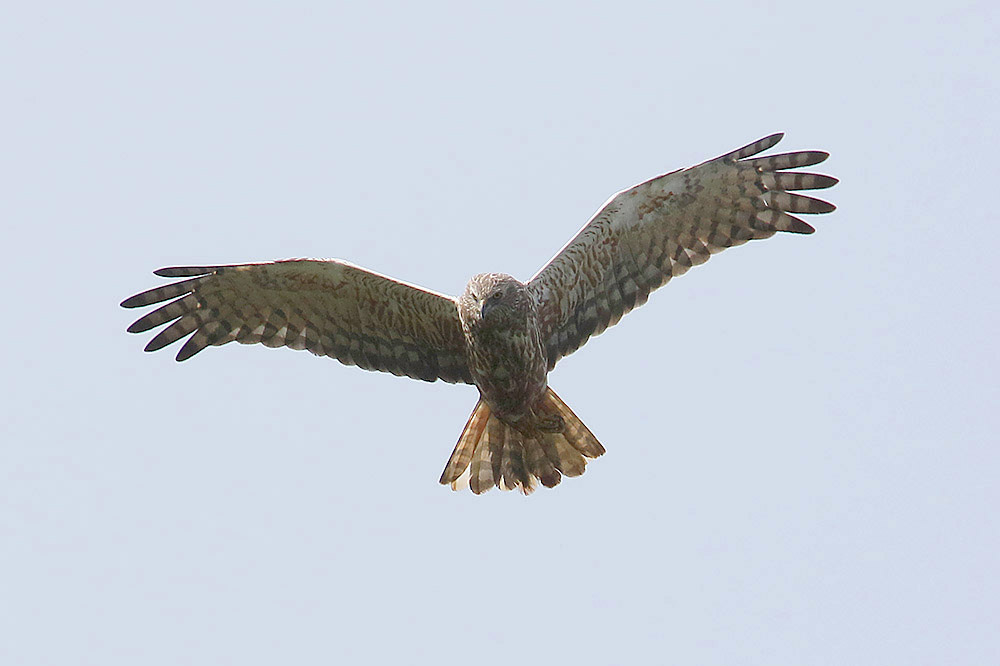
(506, 357)
(501, 335)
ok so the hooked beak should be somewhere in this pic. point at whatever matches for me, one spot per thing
(485, 306)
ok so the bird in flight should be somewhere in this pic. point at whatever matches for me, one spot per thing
(502, 335)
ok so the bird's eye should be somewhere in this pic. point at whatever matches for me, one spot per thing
(497, 295)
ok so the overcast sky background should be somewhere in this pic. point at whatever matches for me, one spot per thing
(802, 435)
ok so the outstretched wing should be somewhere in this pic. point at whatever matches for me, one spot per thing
(659, 229)
(331, 308)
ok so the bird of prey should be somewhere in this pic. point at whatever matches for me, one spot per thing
(502, 335)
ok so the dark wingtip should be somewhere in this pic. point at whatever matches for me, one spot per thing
(183, 271)
(187, 351)
(794, 225)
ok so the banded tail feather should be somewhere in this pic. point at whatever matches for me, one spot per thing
(491, 453)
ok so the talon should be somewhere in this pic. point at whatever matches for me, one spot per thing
(551, 423)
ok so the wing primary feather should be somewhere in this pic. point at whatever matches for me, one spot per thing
(185, 271)
(787, 160)
(164, 293)
(757, 146)
(785, 180)
(172, 333)
(164, 314)
(797, 203)
(194, 344)
(781, 221)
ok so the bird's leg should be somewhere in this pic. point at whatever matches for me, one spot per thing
(550, 423)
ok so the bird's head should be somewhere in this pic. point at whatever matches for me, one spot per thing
(494, 299)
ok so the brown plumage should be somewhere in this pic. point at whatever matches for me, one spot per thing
(502, 335)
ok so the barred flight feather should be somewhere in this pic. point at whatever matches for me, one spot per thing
(330, 308)
(493, 454)
(638, 241)
(659, 229)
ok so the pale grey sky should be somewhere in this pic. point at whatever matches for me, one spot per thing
(802, 435)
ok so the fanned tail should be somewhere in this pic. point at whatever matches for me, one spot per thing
(491, 452)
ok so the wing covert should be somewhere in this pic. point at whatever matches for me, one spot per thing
(645, 235)
(332, 308)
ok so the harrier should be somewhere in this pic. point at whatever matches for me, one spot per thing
(501, 334)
